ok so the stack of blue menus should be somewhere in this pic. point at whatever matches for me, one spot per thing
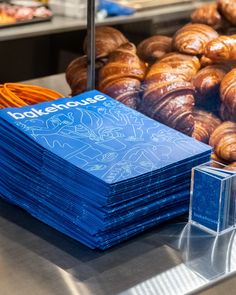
(95, 169)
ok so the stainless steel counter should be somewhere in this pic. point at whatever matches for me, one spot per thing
(60, 24)
(56, 82)
(170, 259)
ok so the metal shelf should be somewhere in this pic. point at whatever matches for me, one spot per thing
(60, 24)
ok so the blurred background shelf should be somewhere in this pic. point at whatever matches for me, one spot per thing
(65, 24)
(43, 49)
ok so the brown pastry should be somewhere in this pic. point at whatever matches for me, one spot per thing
(222, 48)
(125, 89)
(205, 124)
(228, 91)
(153, 48)
(205, 61)
(192, 38)
(168, 95)
(183, 63)
(107, 40)
(209, 15)
(228, 10)
(207, 81)
(175, 110)
(223, 140)
(171, 68)
(76, 74)
(121, 77)
(218, 161)
(231, 167)
(176, 64)
(226, 114)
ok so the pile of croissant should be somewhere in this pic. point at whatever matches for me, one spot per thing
(187, 81)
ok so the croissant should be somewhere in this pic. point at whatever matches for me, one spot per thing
(217, 161)
(121, 77)
(231, 167)
(192, 38)
(168, 95)
(222, 48)
(207, 82)
(223, 140)
(174, 65)
(226, 114)
(228, 10)
(153, 48)
(171, 68)
(76, 73)
(107, 40)
(209, 15)
(228, 92)
(205, 61)
(174, 110)
(188, 65)
(205, 124)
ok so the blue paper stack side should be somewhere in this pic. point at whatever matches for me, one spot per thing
(95, 169)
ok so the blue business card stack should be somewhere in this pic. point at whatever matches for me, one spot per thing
(95, 169)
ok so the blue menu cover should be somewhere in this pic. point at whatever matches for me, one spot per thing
(102, 137)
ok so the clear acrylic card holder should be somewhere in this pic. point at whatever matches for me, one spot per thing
(213, 198)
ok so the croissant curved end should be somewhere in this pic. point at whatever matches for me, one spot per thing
(191, 47)
(216, 50)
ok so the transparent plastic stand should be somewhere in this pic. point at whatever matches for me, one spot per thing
(209, 256)
(213, 198)
(207, 242)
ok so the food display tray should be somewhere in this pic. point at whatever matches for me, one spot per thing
(27, 22)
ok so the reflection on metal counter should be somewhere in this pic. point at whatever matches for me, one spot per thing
(36, 257)
(207, 255)
(169, 260)
(205, 259)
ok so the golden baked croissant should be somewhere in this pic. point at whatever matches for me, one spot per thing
(217, 160)
(153, 48)
(76, 73)
(228, 91)
(226, 114)
(205, 124)
(171, 68)
(223, 140)
(222, 48)
(121, 77)
(231, 167)
(205, 61)
(228, 10)
(168, 95)
(207, 82)
(174, 109)
(209, 15)
(107, 40)
(192, 38)
(187, 65)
